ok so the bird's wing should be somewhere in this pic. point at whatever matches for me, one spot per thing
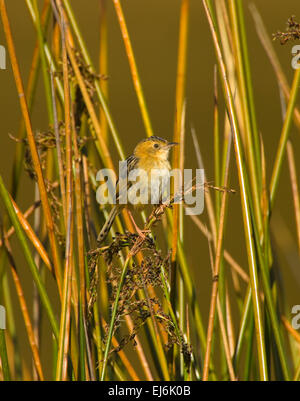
(131, 164)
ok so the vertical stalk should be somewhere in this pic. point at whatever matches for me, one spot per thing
(103, 61)
(3, 356)
(33, 268)
(31, 141)
(284, 137)
(295, 189)
(178, 156)
(216, 144)
(64, 335)
(133, 68)
(251, 145)
(216, 272)
(30, 95)
(43, 63)
(83, 48)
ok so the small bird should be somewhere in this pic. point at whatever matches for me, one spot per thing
(150, 159)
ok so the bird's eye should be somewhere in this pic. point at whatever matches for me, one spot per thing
(156, 145)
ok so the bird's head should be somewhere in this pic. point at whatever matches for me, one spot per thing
(154, 147)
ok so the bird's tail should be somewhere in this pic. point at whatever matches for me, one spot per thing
(107, 225)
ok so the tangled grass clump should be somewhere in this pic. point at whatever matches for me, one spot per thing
(292, 32)
(150, 273)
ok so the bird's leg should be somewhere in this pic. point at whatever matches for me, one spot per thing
(141, 233)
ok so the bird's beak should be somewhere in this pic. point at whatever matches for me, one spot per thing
(171, 144)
